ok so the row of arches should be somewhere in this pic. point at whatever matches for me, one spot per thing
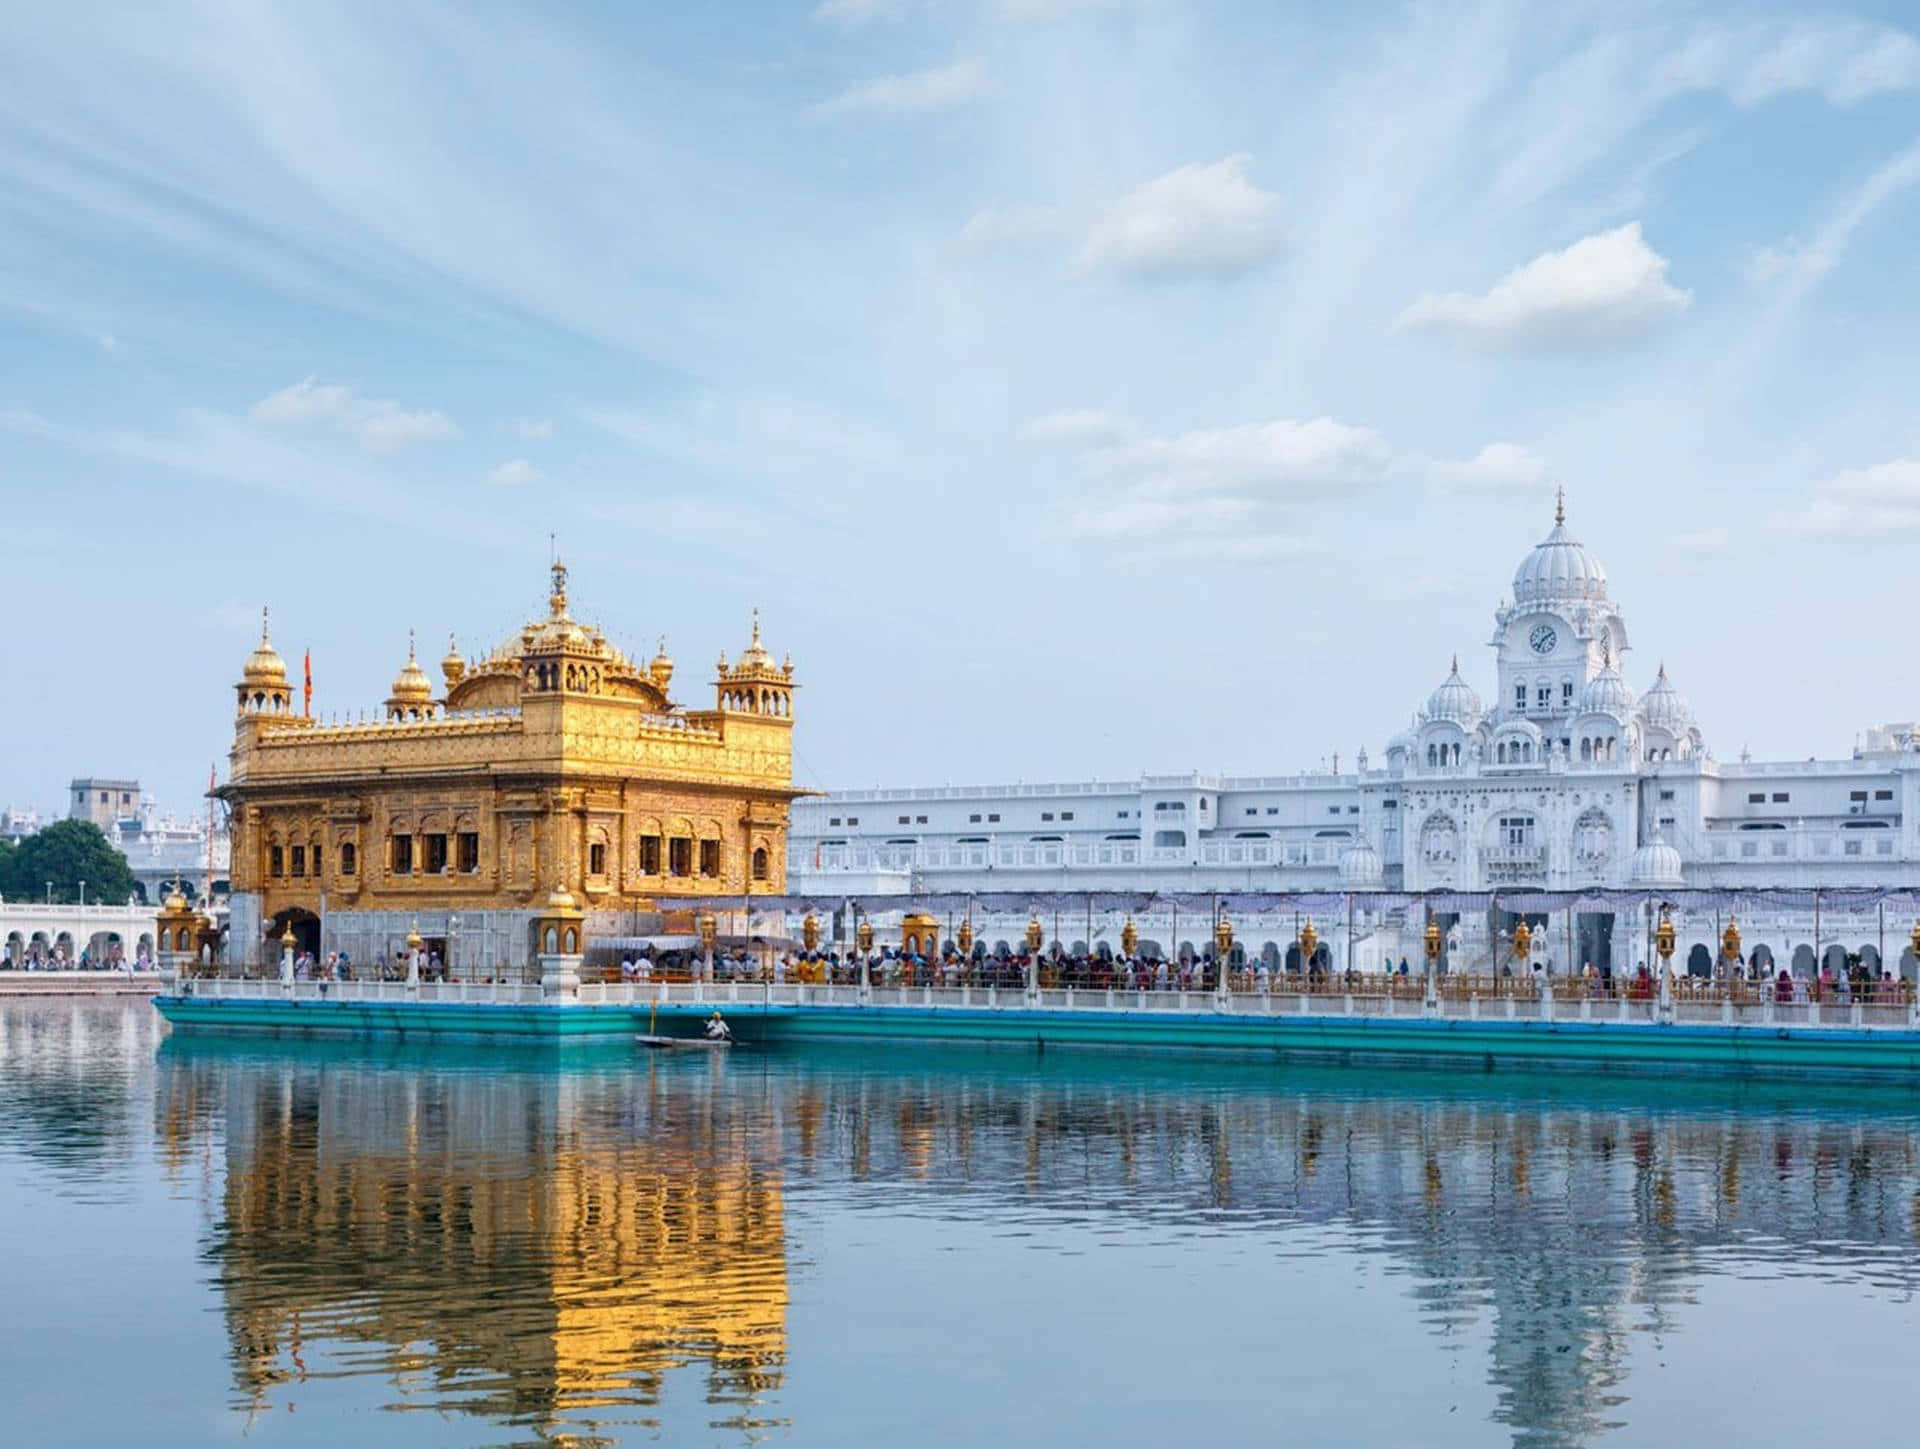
(38, 950)
(758, 700)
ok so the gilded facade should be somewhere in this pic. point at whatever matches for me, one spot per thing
(553, 762)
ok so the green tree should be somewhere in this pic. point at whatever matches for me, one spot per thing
(64, 854)
(7, 852)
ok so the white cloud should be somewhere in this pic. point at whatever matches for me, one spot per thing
(924, 90)
(515, 473)
(1018, 226)
(535, 428)
(1050, 9)
(1498, 467)
(1151, 517)
(1706, 542)
(1201, 221)
(1861, 503)
(109, 343)
(1214, 493)
(376, 422)
(1603, 288)
(1083, 425)
(1316, 457)
(1846, 61)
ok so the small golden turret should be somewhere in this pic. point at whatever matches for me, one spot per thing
(1129, 938)
(660, 671)
(452, 667)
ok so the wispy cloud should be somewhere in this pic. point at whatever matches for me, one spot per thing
(221, 449)
(1498, 467)
(1604, 288)
(923, 90)
(1081, 425)
(375, 422)
(1705, 543)
(534, 428)
(1206, 221)
(1010, 227)
(858, 12)
(515, 473)
(1861, 503)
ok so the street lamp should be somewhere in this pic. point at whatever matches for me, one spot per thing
(83, 895)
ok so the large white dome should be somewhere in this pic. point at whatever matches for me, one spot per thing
(1607, 693)
(1360, 865)
(1655, 864)
(1559, 570)
(1454, 700)
(1663, 708)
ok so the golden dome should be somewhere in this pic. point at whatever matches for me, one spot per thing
(452, 665)
(175, 903)
(264, 665)
(660, 671)
(411, 685)
(755, 655)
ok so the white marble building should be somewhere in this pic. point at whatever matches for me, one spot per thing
(1565, 780)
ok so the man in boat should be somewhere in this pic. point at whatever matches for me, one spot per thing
(717, 1028)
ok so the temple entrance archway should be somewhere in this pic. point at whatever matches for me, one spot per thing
(306, 932)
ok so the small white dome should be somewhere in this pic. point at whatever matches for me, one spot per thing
(1405, 741)
(1454, 700)
(1655, 864)
(1607, 693)
(1663, 708)
(1360, 865)
(1559, 570)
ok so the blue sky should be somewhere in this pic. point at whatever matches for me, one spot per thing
(1076, 387)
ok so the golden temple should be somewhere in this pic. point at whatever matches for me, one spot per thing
(554, 764)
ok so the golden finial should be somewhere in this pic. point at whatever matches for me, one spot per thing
(1559, 505)
(411, 659)
(263, 623)
(557, 600)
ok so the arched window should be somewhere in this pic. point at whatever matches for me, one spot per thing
(1500, 753)
(1586, 749)
(1433, 757)
(349, 858)
(760, 862)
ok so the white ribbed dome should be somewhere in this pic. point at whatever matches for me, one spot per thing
(1655, 864)
(1360, 865)
(1454, 700)
(1559, 570)
(1663, 708)
(1607, 693)
(1405, 741)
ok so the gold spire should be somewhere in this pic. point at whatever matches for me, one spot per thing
(453, 666)
(755, 655)
(264, 665)
(557, 600)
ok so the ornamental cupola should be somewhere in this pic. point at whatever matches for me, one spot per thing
(660, 670)
(754, 684)
(1454, 700)
(263, 685)
(412, 696)
(452, 667)
(1559, 571)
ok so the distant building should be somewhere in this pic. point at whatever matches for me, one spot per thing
(102, 801)
(1567, 780)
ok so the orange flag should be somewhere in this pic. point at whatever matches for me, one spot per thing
(309, 686)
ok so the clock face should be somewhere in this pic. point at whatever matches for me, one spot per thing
(1542, 639)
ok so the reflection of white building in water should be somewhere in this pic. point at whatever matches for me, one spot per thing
(1566, 780)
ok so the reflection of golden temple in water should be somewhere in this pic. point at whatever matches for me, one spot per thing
(548, 1248)
(495, 1249)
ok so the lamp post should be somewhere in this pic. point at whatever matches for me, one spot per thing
(709, 928)
(863, 943)
(414, 943)
(1729, 948)
(1663, 947)
(1309, 940)
(1222, 954)
(1036, 937)
(83, 895)
(1431, 940)
(287, 942)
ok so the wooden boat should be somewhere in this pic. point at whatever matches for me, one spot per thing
(695, 1043)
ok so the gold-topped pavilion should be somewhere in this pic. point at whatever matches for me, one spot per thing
(553, 764)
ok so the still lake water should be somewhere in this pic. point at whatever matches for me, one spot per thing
(213, 1241)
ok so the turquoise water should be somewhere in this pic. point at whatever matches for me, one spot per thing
(212, 1241)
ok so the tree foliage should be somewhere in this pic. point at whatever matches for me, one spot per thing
(61, 856)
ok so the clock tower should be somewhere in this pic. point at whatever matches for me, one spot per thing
(1559, 631)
